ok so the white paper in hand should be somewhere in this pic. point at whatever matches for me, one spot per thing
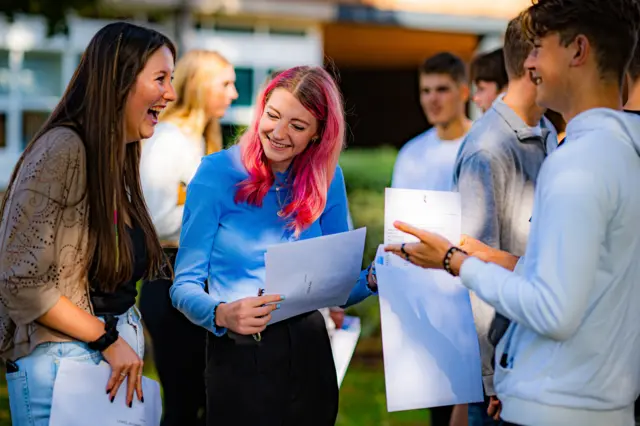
(429, 341)
(343, 344)
(430, 345)
(315, 273)
(79, 399)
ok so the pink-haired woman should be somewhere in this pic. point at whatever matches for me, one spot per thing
(281, 183)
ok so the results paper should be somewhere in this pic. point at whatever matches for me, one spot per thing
(343, 344)
(315, 273)
(79, 398)
(430, 345)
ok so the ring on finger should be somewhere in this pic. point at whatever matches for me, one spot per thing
(406, 255)
(123, 375)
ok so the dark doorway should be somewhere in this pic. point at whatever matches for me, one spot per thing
(382, 106)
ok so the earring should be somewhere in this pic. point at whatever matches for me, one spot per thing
(314, 140)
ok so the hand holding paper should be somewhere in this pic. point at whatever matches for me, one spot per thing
(428, 253)
(430, 346)
(249, 315)
(315, 273)
(79, 399)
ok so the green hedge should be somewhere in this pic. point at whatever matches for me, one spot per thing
(367, 173)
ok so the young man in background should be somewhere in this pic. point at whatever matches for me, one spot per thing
(489, 76)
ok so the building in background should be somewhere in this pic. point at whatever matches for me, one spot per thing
(374, 47)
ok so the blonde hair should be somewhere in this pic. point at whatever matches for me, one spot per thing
(193, 73)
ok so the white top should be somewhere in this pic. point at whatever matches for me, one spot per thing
(169, 158)
(571, 353)
(426, 162)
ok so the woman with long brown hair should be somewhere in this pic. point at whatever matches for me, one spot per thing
(75, 233)
(189, 127)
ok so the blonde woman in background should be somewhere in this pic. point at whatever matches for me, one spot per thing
(189, 128)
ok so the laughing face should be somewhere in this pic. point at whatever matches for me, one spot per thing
(549, 65)
(286, 128)
(149, 96)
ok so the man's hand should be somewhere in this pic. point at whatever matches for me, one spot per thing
(476, 248)
(488, 254)
(495, 407)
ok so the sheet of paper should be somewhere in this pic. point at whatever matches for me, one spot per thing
(315, 273)
(430, 345)
(79, 399)
(343, 344)
(434, 211)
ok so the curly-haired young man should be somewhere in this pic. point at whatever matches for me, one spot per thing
(569, 356)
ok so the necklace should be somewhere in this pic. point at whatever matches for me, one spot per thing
(282, 203)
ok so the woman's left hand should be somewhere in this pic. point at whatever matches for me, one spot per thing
(428, 253)
(372, 280)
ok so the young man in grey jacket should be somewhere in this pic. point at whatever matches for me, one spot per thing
(495, 173)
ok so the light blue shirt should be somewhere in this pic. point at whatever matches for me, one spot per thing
(495, 174)
(426, 162)
(224, 242)
(570, 356)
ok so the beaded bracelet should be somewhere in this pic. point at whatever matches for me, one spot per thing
(447, 258)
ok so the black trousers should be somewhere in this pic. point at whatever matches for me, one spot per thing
(286, 379)
(441, 416)
(178, 353)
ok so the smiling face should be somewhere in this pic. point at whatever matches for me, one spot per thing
(149, 96)
(286, 128)
(549, 65)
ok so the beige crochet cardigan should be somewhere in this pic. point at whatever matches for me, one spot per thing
(43, 242)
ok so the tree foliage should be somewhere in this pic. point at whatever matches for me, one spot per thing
(53, 10)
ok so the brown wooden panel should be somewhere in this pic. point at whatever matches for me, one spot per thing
(503, 9)
(374, 46)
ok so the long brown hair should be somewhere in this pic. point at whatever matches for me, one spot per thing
(93, 105)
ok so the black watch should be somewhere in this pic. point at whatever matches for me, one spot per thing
(109, 337)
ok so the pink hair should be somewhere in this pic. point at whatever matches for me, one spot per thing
(315, 167)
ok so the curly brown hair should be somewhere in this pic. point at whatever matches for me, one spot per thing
(611, 26)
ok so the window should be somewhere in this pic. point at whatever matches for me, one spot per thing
(3, 130)
(41, 74)
(32, 121)
(287, 32)
(234, 28)
(244, 84)
(5, 74)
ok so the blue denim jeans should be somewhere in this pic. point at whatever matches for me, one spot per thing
(31, 387)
